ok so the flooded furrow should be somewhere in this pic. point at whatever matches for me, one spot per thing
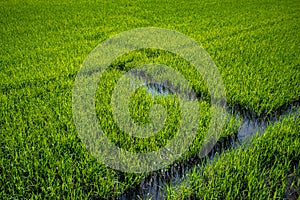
(154, 185)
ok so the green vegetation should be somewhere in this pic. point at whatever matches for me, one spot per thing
(255, 45)
(267, 168)
(142, 101)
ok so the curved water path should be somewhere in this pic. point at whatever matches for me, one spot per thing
(153, 186)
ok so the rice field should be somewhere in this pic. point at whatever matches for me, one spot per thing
(255, 46)
(266, 168)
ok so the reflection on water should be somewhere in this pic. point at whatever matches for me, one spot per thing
(162, 90)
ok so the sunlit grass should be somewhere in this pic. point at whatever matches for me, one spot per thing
(255, 45)
(268, 167)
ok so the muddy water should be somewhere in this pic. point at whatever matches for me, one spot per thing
(154, 186)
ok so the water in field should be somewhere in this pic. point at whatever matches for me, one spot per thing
(153, 186)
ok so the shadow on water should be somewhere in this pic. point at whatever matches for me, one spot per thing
(153, 185)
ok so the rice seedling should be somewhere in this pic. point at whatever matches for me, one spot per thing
(43, 44)
(266, 167)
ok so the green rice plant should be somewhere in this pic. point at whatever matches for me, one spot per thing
(141, 102)
(255, 45)
(265, 168)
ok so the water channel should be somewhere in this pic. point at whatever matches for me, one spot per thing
(153, 186)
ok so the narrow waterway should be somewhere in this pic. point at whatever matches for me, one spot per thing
(153, 186)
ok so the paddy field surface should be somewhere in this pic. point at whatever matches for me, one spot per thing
(255, 46)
